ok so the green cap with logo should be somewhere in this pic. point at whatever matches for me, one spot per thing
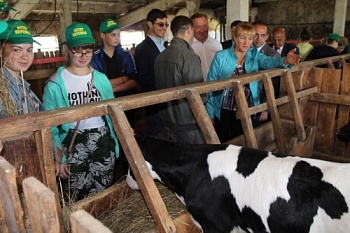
(109, 25)
(78, 34)
(4, 7)
(334, 36)
(17, 32)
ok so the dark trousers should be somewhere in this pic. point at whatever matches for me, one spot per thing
(229, 127)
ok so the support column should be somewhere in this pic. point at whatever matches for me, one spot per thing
(64, 9)
(236, 10)
(340, 16)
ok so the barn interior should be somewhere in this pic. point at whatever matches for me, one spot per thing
(310, 96)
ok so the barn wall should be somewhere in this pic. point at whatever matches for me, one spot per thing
(296, 14)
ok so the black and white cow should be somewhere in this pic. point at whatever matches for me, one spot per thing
(228, 188)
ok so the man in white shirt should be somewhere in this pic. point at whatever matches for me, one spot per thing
(204, 45)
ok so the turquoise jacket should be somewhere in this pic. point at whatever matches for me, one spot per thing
(223, 65)
(55, 96)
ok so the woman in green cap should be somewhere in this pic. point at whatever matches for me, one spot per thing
(16, 97)
(85, 151)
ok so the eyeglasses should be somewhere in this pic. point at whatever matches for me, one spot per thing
(80, 53)
(161, 24)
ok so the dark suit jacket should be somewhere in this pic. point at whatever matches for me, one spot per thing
(269, 51)
(288, 47)
(145, 55)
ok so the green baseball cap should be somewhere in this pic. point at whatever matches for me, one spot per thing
(334, 36)
(109, 25)
(3, 26)
(4, 7)
(17, 32)
(78, 34)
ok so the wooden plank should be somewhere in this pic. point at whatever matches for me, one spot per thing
(23, 155)
(327, 157)
(47, 165)
(275, 117)
(327, 112)
(242, 114)
(82, 222)
(299, 124)
(303, 148)
(39, 74)
(103, 200)
(11, 212)
(140, 170)
(336, 99)
(310, 112)
(202, 117)
(340, 148)
(42, 208)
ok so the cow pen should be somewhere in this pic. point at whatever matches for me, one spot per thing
(314, 103)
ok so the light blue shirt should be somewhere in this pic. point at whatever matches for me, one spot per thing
(158, 43)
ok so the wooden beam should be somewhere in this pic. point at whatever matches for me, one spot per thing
(42, 209)
(141, 13)
(11, 212)
(25, 7)
(138, 166)
(83, 222)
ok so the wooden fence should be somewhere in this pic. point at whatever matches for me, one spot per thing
(308, 99)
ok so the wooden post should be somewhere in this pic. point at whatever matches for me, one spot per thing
(140, 170)
(275, 117)
(42, 208)
(82, 222)
(242, 112)
(202, 117)
(293, 101)
(11, 212)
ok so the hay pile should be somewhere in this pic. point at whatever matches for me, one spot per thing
(9, 106)
(130, 214)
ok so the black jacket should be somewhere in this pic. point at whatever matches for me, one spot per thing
(145, 55)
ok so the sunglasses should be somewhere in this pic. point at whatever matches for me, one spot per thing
(161, 24)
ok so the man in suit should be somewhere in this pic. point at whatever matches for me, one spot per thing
(261, 36)
(279, 44)
(228, 43)
(145, 55)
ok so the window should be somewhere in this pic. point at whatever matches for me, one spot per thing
(131, 38)
(48, 43)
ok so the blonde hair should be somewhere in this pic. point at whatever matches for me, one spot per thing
(244, 28)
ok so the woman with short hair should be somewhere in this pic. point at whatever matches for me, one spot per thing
(240, 59)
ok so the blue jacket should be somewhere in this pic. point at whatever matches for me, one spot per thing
(223, 65)
(127, 66)
(55, 96)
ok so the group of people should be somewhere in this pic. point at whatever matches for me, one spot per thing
(86, 152)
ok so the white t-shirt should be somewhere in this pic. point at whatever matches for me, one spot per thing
(77, 89)
(206, 51)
